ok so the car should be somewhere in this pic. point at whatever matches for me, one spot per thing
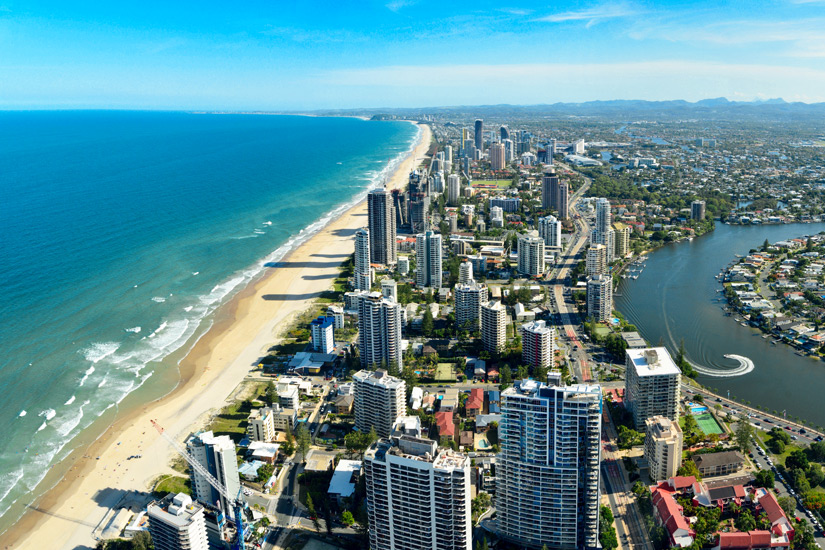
(794, 437)
(803, 431)
(788, 428)
(818, 438)
(768, 421)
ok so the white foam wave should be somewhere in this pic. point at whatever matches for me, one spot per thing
(42, 427)
(72, 422)
(48, 413)
(157, 330)
(102, 382)
(86, 375)
(100, 350)
(21, 415)
(159, 299)
(187, 309)
(134, 330)
(195, 273)
(70, 401)
(267, 223)
(745, 366)
(219, 292)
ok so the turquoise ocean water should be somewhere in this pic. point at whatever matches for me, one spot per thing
(122, 232)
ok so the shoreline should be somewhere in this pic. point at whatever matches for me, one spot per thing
(243, 329)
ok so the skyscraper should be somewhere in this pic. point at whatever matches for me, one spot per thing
(550, 231)
(453, 189)
(379, 399)
(505, 132)
(479, 135)
(596, 260)
(547, 489)
(428, 260)
(216, 454)
(419, 206)
(603, 231)
(663, 447)
(600, 298)
(652, 385)
(379, 331)
(363, 271)
(697, 210)
(418, 496)
(381, 217)
(469, 298)
(493, 326)
(561, 201)
(622, 237)
(531, 254)
(323, 334)
(465, 273)
(549, 189)
(538, 344)
(497, 161)
(176, 523)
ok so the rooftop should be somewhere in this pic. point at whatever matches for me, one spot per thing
(652, 362)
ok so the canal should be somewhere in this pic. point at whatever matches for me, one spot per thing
(675, 298)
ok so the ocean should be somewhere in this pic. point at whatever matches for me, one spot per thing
(122, 232)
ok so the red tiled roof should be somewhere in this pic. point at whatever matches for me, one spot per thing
(771, 507)
(760, 539)
(669, 511)
(682, 482)
(734, 540)
(444, 421)
(476, 400)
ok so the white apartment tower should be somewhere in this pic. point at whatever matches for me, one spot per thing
(381, 222)
(453, 189)
(389, 289)
(379, 401)
(600, 298)
(323, 334)
(363, 271)
(379, 331)
(531, 254)
(538, 344)
(465, 273)
(418, 496)
(177, 523)
(622, 236)
(697, 210)
(603, 231)
(547, 490)
(596, 260)
(663, 447)
(468, 300)
(550, 230)
(493, 326)
(428, 260)
(652, 383)
(216, 454)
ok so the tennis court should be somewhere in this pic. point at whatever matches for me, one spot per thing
(708, 424)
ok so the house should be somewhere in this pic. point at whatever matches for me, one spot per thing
(719, 464)
(343, 404)
(263, 452)
(483, 421)
(446, 425)
(475, 403)
(344, 479)
(466, 439)
(669, 514)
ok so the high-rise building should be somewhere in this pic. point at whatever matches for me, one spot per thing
(403, 265)
(448, 153)
(381, 217)
(379, 400)
(547, 490)
(697, 210)
(452, 218)
(428, 260)
(323, 334)
(379, 331)
(562, 197)
(497, 161)
(418, 496)
(603, 231)
(538, 344)
(496, 216)
(663, 447)
(177, 523)
(453, 189)
(507, 204)
(531, 254)
(469, 298)
(479, 135)
(549, 189)
(622, 238)
(504, 131)
(600, 298)
(652, 385)
(465, 273)
(603, 215)
(216, 454)
(493, 326)
(363, 271)
(509, 150)
(550, 231)
(596, 260)
(389, 289)
(419, 206)
(399, 203)
(261, 425)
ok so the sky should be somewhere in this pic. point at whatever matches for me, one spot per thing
(298, 55)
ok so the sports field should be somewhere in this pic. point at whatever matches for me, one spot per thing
(444, 373)
(708, 424)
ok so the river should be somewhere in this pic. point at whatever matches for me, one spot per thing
(675, 298)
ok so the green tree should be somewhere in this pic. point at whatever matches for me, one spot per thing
(688, 468)
(607, 532)
(743, 434)
(506, 377)
(764, 478)
(797, 459)
(313, 515)
(788, 505)
(427, 323)
(303, 441)
(271, 393)
(745, 521)
(346, 518)
(814, 474)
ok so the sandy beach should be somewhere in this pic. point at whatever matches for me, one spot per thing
(244, 329)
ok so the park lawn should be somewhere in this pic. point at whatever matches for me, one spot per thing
(763, 438)
(497, 183)
(172, 484)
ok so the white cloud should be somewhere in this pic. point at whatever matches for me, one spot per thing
(397, 5)
(593, 15)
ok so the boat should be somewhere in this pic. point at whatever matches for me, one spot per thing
(743, 324)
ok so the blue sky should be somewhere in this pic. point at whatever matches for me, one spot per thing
(294, 55)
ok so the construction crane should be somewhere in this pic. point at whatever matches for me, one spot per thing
(237, 500)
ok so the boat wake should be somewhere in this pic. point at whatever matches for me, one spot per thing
(745, 366)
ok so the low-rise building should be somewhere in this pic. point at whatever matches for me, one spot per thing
(719, 464)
